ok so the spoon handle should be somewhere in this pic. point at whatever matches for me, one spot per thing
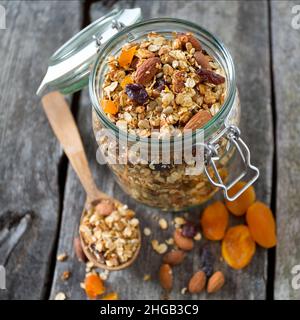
(66, 131)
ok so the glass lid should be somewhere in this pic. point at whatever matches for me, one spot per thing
(70, 66)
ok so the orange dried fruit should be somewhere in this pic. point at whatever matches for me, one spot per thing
(93, 286)
(238, 247)
(214, 221)
(126, 57)
(127, 80)
(261, 224)
(111, 296)
(109, 106)
(239, 206)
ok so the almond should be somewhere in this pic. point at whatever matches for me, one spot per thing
(197, 282)
(182, 242)
(105, 207)
(174, 257)
(185, 37)
(202, 60)
(147, 70)
(198, 120)
(78, 250)
(166, 276)
(215, 282)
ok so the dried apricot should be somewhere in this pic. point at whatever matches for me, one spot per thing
(214, 221)
(127, 80)
(261, 224)
(111, 296)
(239, 206)
(238, 247)
(126, 57)
(109, 106)
(93, 286)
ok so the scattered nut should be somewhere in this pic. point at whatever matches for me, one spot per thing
(160, 248)
(62, 257)
(147, 277)
(182, 242)
(60, 296)
(198, 237)
(179, 221)
(163, 224)
(215, 282)
(183, 291)
(197, 282)
(174, 257)
(166, 277)
(170, 241)
(65, 275)
(147, 232)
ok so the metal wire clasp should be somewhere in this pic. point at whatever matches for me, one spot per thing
(211, 156)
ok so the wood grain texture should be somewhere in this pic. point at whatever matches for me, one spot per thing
(29, 156)
(286, 45)
(243, 26)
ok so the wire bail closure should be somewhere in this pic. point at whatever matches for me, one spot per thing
(232, 133)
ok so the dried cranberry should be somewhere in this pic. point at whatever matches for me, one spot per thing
(159, 84)
(206, 260)
(210, 76)
(137, 93)
(189, 230)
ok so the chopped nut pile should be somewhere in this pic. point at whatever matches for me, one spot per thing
(111, 232)
(163, 83)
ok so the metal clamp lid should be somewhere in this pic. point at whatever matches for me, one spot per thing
(69, 67)
(232, 133)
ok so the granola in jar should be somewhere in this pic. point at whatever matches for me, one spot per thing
(163, 86)
(161, 83)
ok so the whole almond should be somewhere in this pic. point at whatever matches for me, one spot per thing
(166, 276)
(215, 282)
(198, 120)
(105, 207)
(184, 38)
(182, 242)
(147, 70)
(202, 60)
(174, 257)
(197, 282)
(78, 250)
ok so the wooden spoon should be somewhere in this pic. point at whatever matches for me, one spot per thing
(65, 129)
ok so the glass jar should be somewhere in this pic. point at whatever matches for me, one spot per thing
(166, 186)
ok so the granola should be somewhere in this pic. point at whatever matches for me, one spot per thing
(113, 239)
(167, 85)
(164, 83)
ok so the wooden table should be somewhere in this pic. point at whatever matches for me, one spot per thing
(41, 198)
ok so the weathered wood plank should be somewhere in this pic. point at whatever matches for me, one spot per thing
(286, 45)
(29, 155)
(244, 28)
